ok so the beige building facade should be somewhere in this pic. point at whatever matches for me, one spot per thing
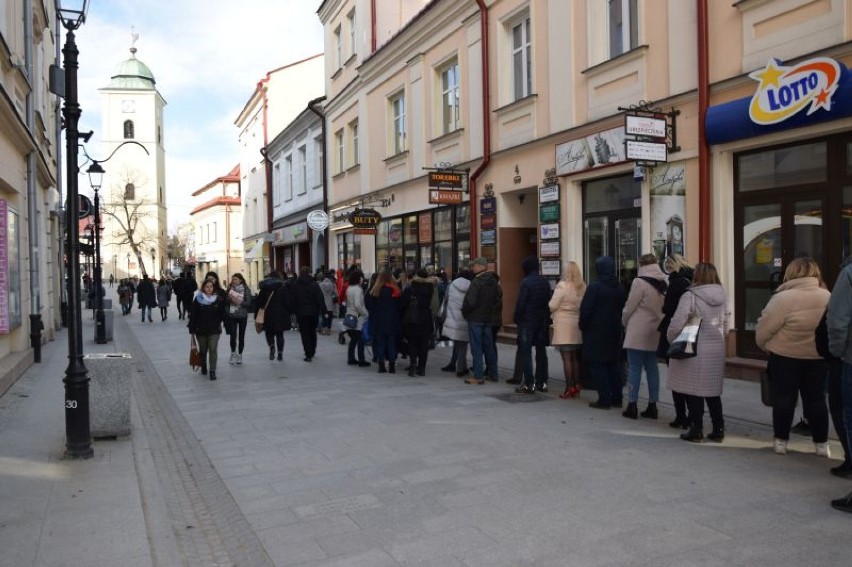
(217, 227)
(533, 97)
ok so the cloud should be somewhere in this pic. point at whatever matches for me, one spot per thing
(207, 57)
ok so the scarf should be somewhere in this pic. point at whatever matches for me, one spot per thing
(205, 299)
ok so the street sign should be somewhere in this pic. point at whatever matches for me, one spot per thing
(318, 220)
(549, 213)
(487, 221)
(441, 197)
(365, 219)
(645, 126)
(446, 179)
(646, 151)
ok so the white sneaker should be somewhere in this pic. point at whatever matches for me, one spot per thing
(780, 447)
(823, 450)
(239, 359)
(233, 358)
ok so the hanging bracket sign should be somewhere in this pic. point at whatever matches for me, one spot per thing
(365, 221)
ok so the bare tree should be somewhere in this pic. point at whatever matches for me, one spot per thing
(128, 214)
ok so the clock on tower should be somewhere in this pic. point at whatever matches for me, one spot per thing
(128, 106)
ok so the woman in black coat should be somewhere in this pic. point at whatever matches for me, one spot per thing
(206, 313)
(383, 302)
(680, 278)
(276, 298)
(417, 323)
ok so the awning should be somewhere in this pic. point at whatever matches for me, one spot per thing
(257, 250)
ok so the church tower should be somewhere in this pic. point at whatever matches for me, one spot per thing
(133, 195)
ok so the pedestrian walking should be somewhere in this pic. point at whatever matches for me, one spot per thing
(164, 297)
(186, 293)
(680, 278)
(356, 307)
(786, 330)
(565, 311)
(600, 322)
(641, 318)
(478, 308)
(532, 315)
(147, 297)
(839, 327)
(125, 296)
(308, 304)
(274, 298)
(111, 280)
(383, 303)
(701, 377)
(206, 313)
(418, 319)
(455, 325)
(330, 299)
(239, 303)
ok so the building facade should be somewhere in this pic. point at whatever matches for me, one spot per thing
(217, 221)
(276, 101)
(31, 252)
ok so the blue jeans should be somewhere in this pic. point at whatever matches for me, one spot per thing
(527, 338)
(607, 376)
(482, 343)
(144, 309)
(636, 361)
(384, 347)
(846, 394)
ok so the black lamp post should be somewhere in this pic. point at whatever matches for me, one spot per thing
(78, 435)
(96, 176)
(128, 264)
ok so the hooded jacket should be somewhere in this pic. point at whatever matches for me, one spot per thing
(703, 374)
(600, 314)
(644, 309)
(531, 309)
(455, 325)
(679, 282)
(277, 315)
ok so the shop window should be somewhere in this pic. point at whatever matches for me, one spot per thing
(782, 167)
(611, 194)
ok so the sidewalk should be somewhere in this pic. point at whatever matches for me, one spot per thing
(319, 464)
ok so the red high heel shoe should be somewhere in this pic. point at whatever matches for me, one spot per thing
(571, 392)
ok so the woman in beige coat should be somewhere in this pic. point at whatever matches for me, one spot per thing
(786, 331)
(567, 338)
(641, 318)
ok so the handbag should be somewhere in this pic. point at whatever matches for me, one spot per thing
(350, 321)
(194, 355)
(260, 316)
(766, 387)
(685, 344)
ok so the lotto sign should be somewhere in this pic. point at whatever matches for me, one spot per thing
(785, 91)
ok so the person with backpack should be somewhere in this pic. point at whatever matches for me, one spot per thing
(418, 319)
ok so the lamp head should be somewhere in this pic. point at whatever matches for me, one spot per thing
(72, 12)
(96, 175)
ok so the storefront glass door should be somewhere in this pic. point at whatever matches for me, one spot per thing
(612, 226)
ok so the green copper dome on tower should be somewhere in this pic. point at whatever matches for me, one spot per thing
(132, 74)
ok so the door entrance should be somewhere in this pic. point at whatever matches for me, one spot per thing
(775, 230)
(612, 226)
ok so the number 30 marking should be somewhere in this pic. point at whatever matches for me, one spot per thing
(71, 404)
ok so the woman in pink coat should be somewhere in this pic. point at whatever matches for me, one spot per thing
(567, 338)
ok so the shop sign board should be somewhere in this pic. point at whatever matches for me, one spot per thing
(551, 267)
(597, 150)
(488, 205)
(549, 249)
(318, 220)
(488, 236)
(645, 126)
(445, 197)
(549, 231)
(548, 194)
(446, 179)
(785, 91)
(295, 233)
(646, 151)
(365, 218)
(549, 213)
(364, 231)
(487, 221)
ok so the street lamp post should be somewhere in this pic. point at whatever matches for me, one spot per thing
(96, 175)
(128, 264)
(153, 253)
(78, 435)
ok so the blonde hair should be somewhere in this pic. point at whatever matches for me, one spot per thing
(384, 278)
(574, 276)
(676, 263)
(803, 267)
(705, 273)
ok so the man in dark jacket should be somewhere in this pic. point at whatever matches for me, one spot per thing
(308, 303)
(147, 297)
(600, 322)
(531, 316)
(187, 290)
(478, 310)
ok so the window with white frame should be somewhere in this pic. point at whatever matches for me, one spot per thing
(215, 231)
(319, 152)
(521, 58)
(623, 26)
(353, 129)
(450, 97)
(276, 184)
(339, 164)
(303, 169)
(350, 20)
(397, 114)
(288, 171)
(338, 48)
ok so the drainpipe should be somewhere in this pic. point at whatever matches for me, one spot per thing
(486, 129)
(373, 39)
(704, 214)
(57, 108)
(312, 105)
(227, 239)
(36, 324)
(267, 167)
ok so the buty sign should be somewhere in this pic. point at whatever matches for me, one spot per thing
(365, 221)
(785, 91)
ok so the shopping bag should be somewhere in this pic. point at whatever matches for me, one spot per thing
(194, 355)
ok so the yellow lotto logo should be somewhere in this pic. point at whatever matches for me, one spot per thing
(784, 91)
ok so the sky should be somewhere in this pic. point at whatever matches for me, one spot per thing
(206, 57)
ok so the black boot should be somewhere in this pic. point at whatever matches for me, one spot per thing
(694, 435)
(718, 435)
(679, 423)
(651, 411)
(271, 353)
(382, 368)
(212, 374)
(632, 412)
(392, 367)
(412, 372)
